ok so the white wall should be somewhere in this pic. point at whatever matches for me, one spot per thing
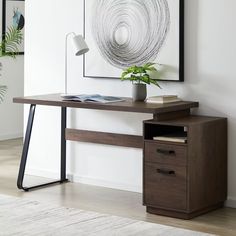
(210, 78)
(11, 115)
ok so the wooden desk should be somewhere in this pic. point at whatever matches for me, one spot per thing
(160, 112)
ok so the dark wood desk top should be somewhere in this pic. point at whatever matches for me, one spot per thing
(127, 106)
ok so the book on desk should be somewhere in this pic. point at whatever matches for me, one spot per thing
(163, 99)
(97, 98)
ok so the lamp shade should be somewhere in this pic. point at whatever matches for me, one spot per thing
(80, 46)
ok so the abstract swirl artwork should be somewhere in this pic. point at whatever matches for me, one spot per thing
(123, 33)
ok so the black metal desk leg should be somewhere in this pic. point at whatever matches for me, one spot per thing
(26, 149)
(63, 143)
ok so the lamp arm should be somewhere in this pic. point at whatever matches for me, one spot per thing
(66, 58)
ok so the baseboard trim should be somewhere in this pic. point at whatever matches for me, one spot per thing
(10, 136)
(104, 183)
(85, 180)
(42, 173)
(231, 202)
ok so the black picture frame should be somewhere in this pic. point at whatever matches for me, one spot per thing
(4, 20)
(1, 18)
(181, 45)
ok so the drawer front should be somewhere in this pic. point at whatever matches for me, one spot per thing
(165, 186)
(166, 154)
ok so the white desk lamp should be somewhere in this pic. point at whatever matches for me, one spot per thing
(80, 48)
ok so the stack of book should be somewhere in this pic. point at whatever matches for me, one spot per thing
(163, 99)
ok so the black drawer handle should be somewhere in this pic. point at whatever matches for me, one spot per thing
(165, 152)
(165, 172)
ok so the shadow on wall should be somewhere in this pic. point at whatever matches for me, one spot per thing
(192, 42)
(187, 90)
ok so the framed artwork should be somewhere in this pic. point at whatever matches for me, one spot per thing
(123, 33)
(13, 14)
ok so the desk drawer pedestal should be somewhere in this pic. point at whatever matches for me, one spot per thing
(184, 180)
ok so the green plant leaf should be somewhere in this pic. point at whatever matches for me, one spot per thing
(155, 82)
(9, 45)
(124, 74)
(134, 78)
(149, 64)
(151, 69)
(3, 90)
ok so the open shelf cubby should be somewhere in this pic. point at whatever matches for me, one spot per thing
(153, 129)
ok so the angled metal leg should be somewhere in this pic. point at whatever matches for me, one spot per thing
(26, 149)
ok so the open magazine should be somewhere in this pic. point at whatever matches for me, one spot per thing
(92, 98)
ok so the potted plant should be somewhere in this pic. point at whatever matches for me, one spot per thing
(140, 77)
(9, 47)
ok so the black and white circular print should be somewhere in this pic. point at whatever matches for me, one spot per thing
(130, 32)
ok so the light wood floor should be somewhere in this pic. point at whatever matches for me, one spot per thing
(104, 200)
